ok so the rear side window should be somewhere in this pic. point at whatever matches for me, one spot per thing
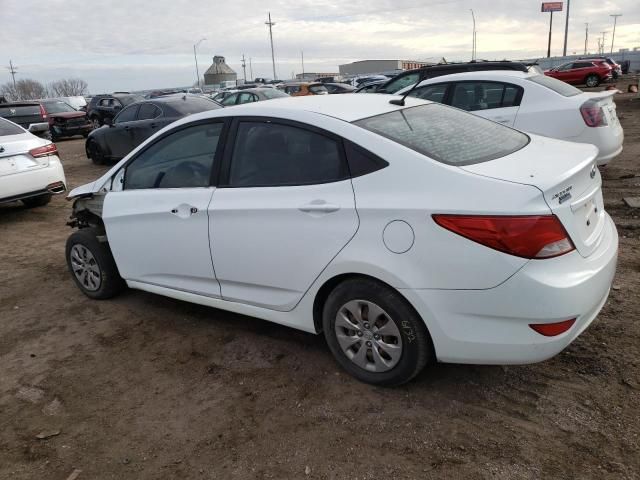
(148, 111)
(446, 135)
(361, 161)
(272, 154)
(182, 159)
(472, 96)
(316, 89)
(9, 128)
(556, 85)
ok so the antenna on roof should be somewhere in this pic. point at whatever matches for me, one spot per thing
(401, 101)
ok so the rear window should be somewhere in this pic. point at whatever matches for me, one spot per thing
(9, 128)
(19, 111)
(446, 134)
(194, 105)
(273, 93)
(556, 85)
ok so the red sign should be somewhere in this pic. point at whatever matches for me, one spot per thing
(551, 6)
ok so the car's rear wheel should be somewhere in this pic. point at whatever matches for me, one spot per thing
(39, 201)
(92, 266)
(592, 81)
(95, 152)
(96, 123)
(374, 333)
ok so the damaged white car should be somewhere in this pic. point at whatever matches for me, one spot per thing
(406, 232)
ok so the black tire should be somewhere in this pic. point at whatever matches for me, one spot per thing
(97, 123)
(110, 283)
(592, 81)
(417, 348)
(85, 134)
(95, 153)
(39, 201)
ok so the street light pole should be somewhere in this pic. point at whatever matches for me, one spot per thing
(566, 30)
(613, 36)
(195, 57)
(586, 37)
(273, 58)
(473, 39)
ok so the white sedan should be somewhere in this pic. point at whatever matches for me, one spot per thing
(533, 103)
(407, 234)
(30, 169)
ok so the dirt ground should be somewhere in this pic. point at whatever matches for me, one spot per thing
(145, 387)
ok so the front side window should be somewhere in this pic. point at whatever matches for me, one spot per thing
(182, 159)
(445, 134)
(127, 115)
(435, 93)
(565, 67)
(272, 154)
(401, 82)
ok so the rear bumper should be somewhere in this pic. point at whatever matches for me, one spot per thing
(38, 127)
(492, 326)
(608, 139)
(66, 131)
(31, 183)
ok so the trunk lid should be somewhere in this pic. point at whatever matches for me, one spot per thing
(567, 175)
(15, 156)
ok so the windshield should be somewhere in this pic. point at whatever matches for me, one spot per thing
(9, 128)
(58, 107)
(129, 99)
(556, 85)
(446, 134)
(193, 105)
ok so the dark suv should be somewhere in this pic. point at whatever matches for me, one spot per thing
(30, 115)
(411, 77)
(102, 107)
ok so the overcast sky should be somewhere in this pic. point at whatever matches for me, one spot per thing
(142, 44)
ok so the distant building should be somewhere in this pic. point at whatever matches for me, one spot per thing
(219, 72)
(313, 76)
(364, 67)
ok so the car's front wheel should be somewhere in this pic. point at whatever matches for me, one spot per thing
(92, 266)
(592, 81)
(95, 122)
(374, 333)
(95, 152)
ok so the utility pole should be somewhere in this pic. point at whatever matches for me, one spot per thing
(13, 72)
(302, 57)
(273, 58)
(244, 69)
(550, 28)
(195, 45)
(586, 37)
(250, 69)
(602, 43)
(613, 36)
(566, 30)
(473, 36)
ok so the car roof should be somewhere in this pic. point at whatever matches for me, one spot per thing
(488, 74)
(343, 107)
(22, 103)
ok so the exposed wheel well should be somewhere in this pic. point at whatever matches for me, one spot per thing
(326, 289)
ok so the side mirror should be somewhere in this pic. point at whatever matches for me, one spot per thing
(108, 121)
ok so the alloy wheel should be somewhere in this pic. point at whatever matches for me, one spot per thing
(85, 267)
(368, 336)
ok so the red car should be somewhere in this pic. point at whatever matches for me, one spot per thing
(583, 72)
(64, 120)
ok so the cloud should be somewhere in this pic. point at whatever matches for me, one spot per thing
(140, 44)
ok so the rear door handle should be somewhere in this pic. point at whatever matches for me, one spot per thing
(317, 207)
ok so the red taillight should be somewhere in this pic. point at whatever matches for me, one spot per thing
(49, 149)
(593, 114)
(43, 112)
(531, 236)
(553, 329)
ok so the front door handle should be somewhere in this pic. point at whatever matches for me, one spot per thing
(319, 207)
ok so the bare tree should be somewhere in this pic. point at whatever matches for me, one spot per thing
(25, 89)
(68, 87)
